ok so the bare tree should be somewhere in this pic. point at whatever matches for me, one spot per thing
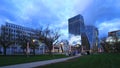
(35, 42)
(104, 44)
(117, 46)
(6, 38)
(49, 37)
(22, 39)
(34, 45)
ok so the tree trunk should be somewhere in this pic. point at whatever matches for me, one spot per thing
(24, 52)
(50, 52)
(33, 51)
(50, 49)
(4, 50)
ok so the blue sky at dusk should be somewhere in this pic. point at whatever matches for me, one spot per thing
(104, 14)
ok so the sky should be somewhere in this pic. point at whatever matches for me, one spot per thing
(104, 14)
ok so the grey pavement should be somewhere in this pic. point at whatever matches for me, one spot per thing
(39, 63)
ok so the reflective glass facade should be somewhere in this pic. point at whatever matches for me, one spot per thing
(77, 28)
(76, 25)
(92, 33)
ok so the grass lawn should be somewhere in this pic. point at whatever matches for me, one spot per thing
(10, 60)
(90, 61)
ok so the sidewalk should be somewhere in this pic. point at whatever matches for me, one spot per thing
(39, 63)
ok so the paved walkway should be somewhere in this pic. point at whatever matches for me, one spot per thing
(38, 63)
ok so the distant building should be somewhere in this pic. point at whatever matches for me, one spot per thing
(13, 31)
(76, 27)
(92, 33)
(61, 47)
(114, 33)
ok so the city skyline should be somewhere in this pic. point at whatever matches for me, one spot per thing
(104, 14)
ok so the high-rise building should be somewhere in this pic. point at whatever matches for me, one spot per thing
(92, 33)
(76, 25)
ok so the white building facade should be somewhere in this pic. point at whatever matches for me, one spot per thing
(12, 30)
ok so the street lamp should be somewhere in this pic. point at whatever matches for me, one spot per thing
(42, 45)
(34, 40)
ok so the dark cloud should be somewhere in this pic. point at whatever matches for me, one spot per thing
(100, 11)
(55, 13)
(29, 13)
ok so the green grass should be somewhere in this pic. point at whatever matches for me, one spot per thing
(10, 60)
(91, 61)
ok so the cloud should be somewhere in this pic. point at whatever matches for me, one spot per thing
(75, 40)
(101, 10)
(27, 12)
(104, 14)
(41, 11)
(107, 26)
(34, 13)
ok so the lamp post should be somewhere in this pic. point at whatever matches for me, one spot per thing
(39, 44)
(34, 40)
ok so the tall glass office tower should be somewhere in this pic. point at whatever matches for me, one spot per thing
(76, 27)
(92, 33)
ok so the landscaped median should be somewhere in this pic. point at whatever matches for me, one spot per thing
(18, 59)
(111, 60)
